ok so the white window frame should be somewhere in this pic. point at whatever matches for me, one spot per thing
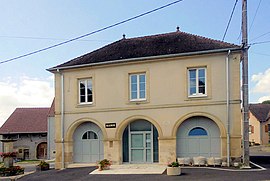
(197, 94)
(138, 87)
(85, 93)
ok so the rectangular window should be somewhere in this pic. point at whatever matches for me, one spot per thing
(137, 86)
(266, 128)
(197, 81)
(85, 91)
(251, 129)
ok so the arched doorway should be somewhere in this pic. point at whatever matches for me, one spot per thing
(41, 151)
(140, 142)
(198, 136)
(88, 143)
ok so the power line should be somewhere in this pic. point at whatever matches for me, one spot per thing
(46, 38)
(260, 36)
(229, 22)
(257, 43)
(91, 33)
(255, 15)
(258, 53)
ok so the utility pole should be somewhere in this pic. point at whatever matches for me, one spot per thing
(245, 85)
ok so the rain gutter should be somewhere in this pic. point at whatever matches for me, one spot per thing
(144, 58)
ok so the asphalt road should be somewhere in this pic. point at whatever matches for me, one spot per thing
(82, 174)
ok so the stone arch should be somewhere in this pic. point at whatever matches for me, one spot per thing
(41, 150)
(202, 114)
(75, 124)
(124, 124)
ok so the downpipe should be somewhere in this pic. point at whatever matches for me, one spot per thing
(228, 107)
(62, 120)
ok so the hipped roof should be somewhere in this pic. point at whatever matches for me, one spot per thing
(260, 111)
(148, 46)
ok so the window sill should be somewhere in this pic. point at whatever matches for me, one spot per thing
(138, 101)
(85, 105)
(198, 97)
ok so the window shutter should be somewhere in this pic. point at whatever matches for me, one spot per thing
(266, 128)
(252, 129)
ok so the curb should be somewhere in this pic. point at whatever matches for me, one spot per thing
(16, 176)
(233, 170)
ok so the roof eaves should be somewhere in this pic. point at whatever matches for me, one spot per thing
(144, 58)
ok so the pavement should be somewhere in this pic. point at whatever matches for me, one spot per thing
(28, 169)
(259, 150)
(188, 173)
(145, 172)
(132, 169)
(196, 173)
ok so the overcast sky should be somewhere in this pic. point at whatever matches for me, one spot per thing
(29, 25)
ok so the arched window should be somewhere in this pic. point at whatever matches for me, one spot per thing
(89, 135)
(198, 131)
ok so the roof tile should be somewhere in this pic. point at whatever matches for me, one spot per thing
(260, 111)
(154, 45)
(26, 120)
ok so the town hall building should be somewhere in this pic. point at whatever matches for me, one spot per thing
(149, 99)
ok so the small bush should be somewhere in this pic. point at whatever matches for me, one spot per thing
(43, 166)
(11, 171)
(173, 164)
(105, 163)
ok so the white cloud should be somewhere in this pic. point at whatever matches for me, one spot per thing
(264, 98)
(262, 84)
(28, 92)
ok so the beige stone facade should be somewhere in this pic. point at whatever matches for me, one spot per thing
(258, 133)
(167, 103)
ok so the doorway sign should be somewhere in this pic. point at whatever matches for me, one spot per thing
(110, 125)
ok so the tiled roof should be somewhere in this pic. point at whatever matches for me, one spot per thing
(260, 111)
(26, 120)
(162, 44)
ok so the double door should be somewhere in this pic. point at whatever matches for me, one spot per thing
(141, 147)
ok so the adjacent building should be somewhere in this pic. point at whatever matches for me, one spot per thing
(51, 133)
(149, 99)
(28, 126)
(259, 124)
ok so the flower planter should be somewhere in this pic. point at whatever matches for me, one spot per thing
(100, 168)
(173, 171)
(11, 171)
(106, 167)
(42, 168)
(104, 164)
